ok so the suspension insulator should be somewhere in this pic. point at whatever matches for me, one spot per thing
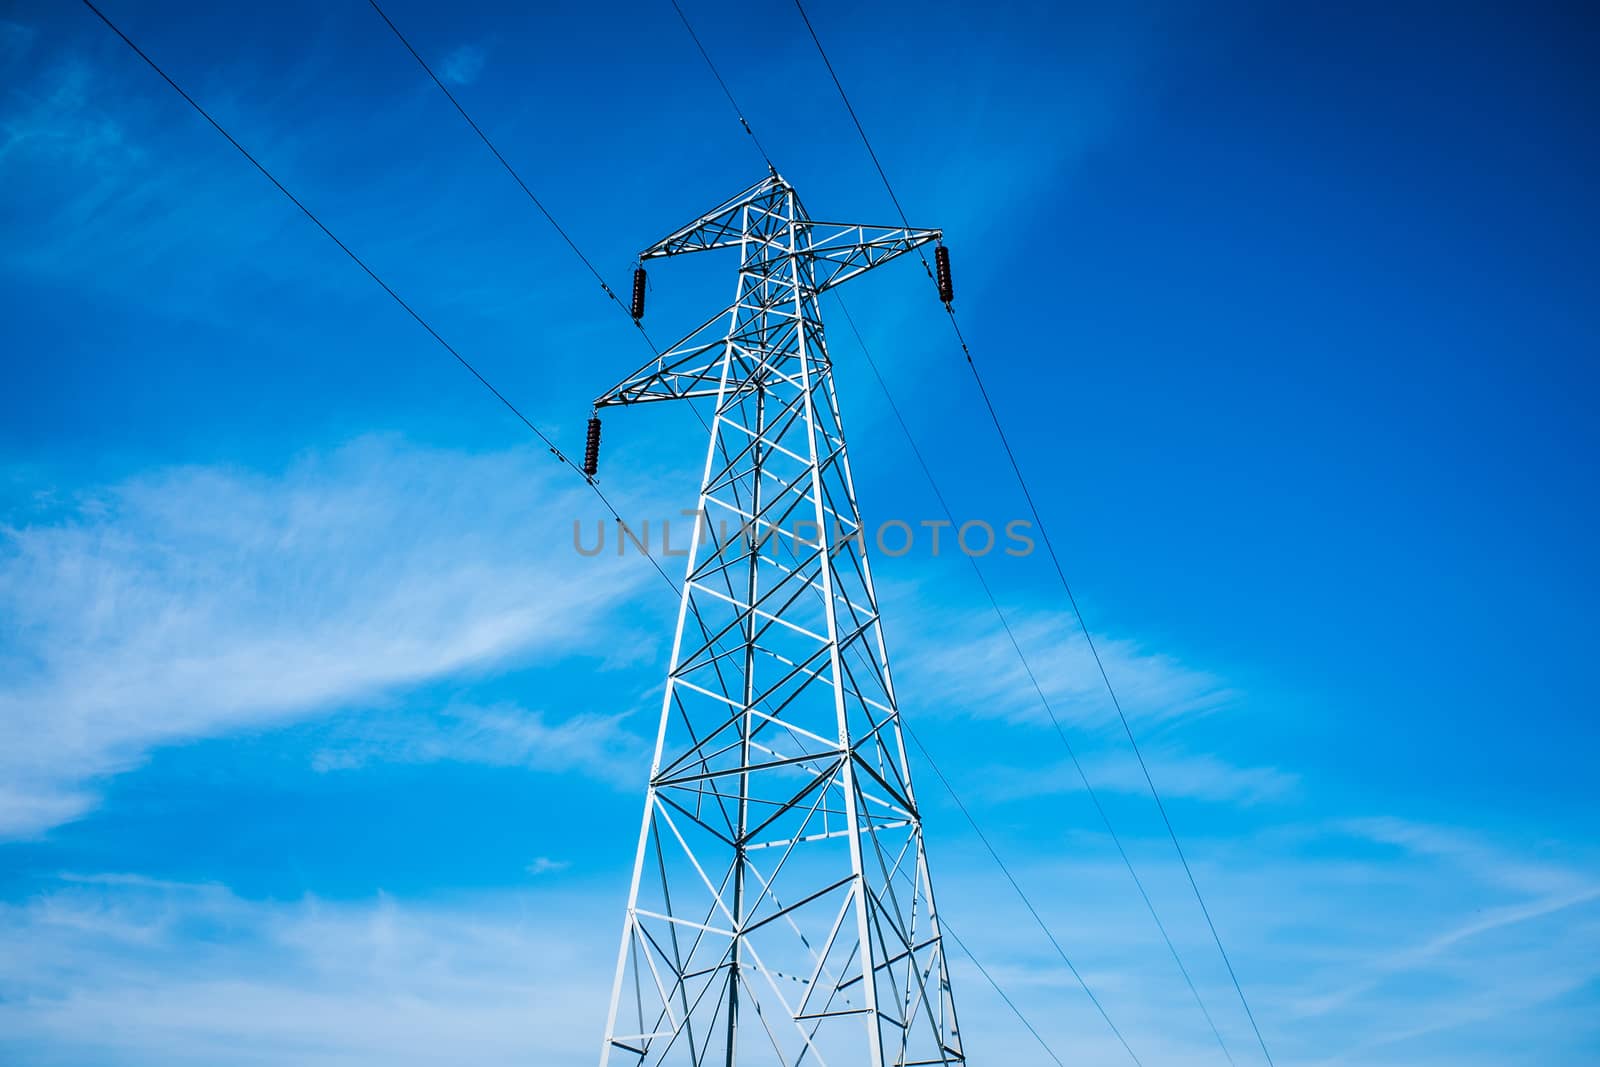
(638, 293)
(591, 448)
(941, 270)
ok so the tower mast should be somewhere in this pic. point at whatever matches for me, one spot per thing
(781, 911)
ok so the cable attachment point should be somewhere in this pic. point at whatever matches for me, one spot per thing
(638, 294)
(941, 262)
(591, 447)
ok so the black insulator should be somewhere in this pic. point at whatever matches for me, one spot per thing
(941, 270)
(638, 293)
(591, 448)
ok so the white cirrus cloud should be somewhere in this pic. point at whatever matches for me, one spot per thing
(124, 970)
(195, 601)
(1196, 776)
(988, 680)
(503, 735)
(463, 65)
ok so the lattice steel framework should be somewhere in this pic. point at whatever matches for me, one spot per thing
(781, 911)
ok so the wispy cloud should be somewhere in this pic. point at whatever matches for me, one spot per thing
(16, 39)
(1456, 941)
(195, 601)
(56, 121)
(1470, 854)
(599, 746)
(462, 66)
(128, 971)
(989, 681)
(1369, 960)
(103, 167)
(123, 969)
(1193, 776)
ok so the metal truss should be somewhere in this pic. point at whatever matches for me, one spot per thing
(781, 912)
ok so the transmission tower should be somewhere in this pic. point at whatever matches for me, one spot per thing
(781, 911)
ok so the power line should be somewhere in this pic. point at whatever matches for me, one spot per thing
(359, 262)
(556, 452)
(550, 218)
(944, 926)
(1037, 918)
(737, 110)
(512, 171)
(1027, 668)
(711, 65)
(994, 603)
(550, 444)
(516, 177)
(1050, 549)
(856, 119)
(572, 244)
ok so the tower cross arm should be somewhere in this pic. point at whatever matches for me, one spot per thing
(759, 221)
(691, 368)
(728, 225)
(841, 250)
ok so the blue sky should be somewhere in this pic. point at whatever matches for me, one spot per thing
(320, 745)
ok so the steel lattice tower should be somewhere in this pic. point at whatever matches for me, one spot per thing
(781, 911)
